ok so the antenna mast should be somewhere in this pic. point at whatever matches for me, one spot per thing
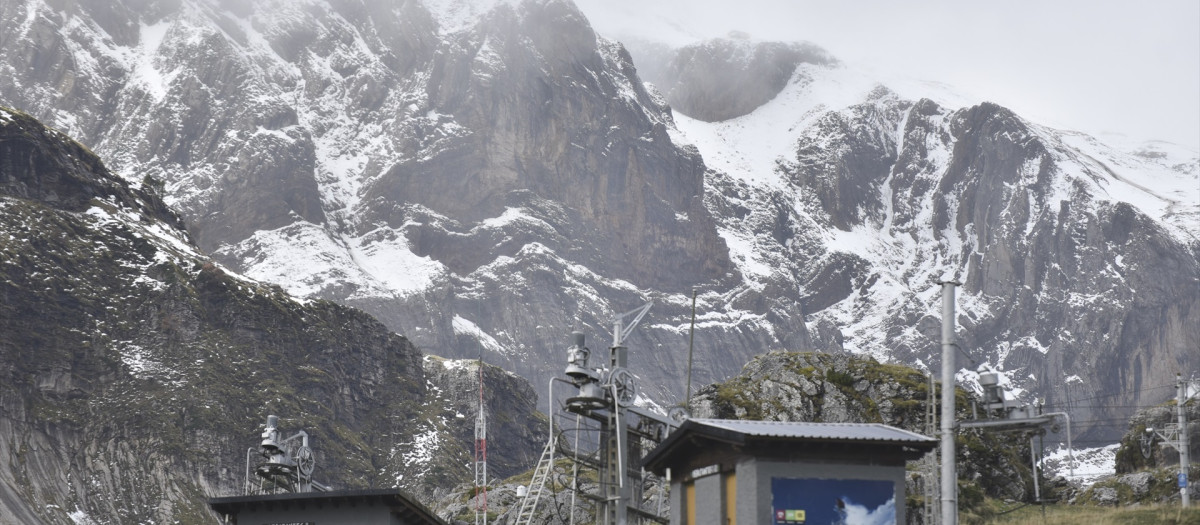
(481, 454)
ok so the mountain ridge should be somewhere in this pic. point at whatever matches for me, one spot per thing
(475, 185)
(134, 371)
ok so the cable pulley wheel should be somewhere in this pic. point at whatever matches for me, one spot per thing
(622, 381)
(305, 461)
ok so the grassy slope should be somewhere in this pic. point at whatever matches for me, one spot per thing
(1088, 515)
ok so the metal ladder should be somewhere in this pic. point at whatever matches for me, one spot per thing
(537, 484)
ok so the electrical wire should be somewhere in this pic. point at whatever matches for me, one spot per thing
(1014, 509)
(1078, 441)
(1114, 394)
(1112, 406)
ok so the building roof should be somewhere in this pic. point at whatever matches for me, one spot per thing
(740, 433)
(873, 432)
(399, 502)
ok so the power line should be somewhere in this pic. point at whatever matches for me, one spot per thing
(1109, 406)
(1114, 420)
(1114, 394)
(1078, 441)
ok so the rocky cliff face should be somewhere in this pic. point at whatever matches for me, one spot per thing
(492, 181)
(491, 176)
(516, 433)
(877, 201)
(134, 372)
(1059, 275)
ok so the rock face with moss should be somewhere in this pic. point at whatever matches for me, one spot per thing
(1132, 456)
(134, 373)
(1146, 468)
(841, 388)
(834, 388)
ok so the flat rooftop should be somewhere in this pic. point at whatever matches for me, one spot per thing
(395, 500)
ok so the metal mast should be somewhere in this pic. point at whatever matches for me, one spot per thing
(1181, 398)
(614, 474)
(606, 398)
(481, 455)
(949, 478)
(1176, 437)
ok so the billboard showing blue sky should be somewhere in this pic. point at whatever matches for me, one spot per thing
(811, 501)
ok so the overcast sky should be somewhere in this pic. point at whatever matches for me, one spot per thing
(1098, 66)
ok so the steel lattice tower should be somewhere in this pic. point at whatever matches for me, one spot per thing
(481, 456)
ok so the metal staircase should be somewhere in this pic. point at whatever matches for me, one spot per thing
(537, 484)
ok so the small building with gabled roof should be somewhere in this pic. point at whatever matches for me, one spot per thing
(725, 472)
(342, 507)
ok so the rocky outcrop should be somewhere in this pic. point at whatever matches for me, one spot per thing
(1150, 487)
(1142, 446)
(134, 372)
(840, 388)
(849, 152)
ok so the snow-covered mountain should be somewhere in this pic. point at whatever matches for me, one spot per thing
(488, 176)
(863, 164)
(134, 372)
(1075, 256)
